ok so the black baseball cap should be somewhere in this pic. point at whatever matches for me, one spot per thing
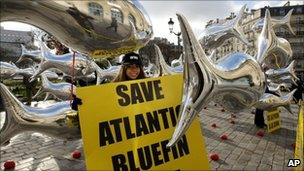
(131, 58)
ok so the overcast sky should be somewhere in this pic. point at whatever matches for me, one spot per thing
(197, 13)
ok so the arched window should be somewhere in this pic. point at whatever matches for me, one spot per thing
(117, 14)
(132, 19)
(95, 9)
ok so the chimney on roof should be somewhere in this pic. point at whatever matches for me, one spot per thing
(287, 4)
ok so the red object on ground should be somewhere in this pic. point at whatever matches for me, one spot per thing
(223, 110)
(293, 145)
(224, 137)
(214, 157)
(9, 164)
(232, 122)
(213, 125)
(260, 133)
(76, 154)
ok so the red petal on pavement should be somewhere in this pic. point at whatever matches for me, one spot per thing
(76, 154)
(224, 137)
(214, 157)
(9, 164)
(260, 133)
(293, 145)
(213, 125)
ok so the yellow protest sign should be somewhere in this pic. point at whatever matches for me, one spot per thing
(126, 126)
(273, 120)
(300, 140)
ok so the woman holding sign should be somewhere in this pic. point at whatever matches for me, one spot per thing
(131, 69)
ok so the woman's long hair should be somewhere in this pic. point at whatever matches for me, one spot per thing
(122, 76)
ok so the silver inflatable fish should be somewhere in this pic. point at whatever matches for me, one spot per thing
(276, 88)
(277, 73)
(285, 79)
(108, 74)
(60, 90)
(34, 55)
(151, 70)
(215, 35)
(82, 66)
(82, 28)
(177, 62)
(164, 68)
(270, 101)
(10, 70)
(237, 81)
(271, 46)
(51, 120)
(283, 22)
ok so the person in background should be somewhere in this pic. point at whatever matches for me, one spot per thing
(259, 113)
(298, 95)
(131, 69)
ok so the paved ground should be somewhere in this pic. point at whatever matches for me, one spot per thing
(243, 150)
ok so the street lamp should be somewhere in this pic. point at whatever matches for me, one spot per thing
(171, 23)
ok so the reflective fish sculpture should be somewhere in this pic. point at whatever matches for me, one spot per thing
(92, 31)
(276, 23)
(285, 79)
(151, 70)
(51, 120)
(82, 66)
(87, 78)
(34, 55)
(164, 68)
(215, 35)
(270, 101)
(177, 62)
(10, 70)
(270, 46)
(277, 73)
(237, 81)
(60, 90)
(108, 74)
(276, 88)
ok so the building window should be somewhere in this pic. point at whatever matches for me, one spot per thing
(117, 14)
(95, 9)
(299, 10)
(282, 11)
(132, 19)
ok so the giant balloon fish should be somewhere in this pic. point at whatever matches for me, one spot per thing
(51, 120)
(81, 67)
(34, 55)
(271, 101)
(215, 35)
(164, 68)
(60, 90)
(273, 74)
(108, 74)
(236, 81)
(285, 22)
(10, 70)
(84, 29)
(270, 46)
